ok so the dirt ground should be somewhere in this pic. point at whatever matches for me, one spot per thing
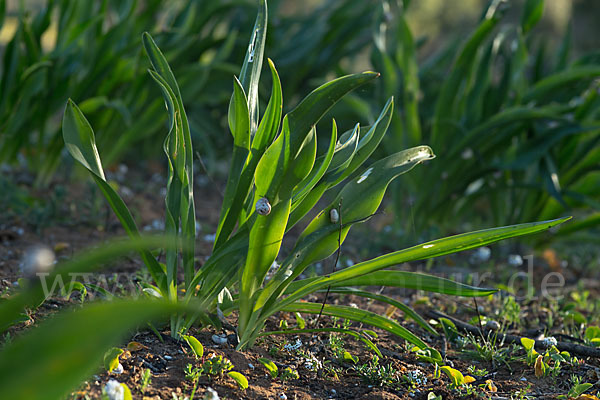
(81, 219)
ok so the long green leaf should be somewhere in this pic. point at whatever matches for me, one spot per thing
(532, 13)
(540, 91)
(409, 312)
(423, 251)
(358, 315)
(239, 123)
(445, 105)
(410, 280)
(79, 138)
(250, 74)
(181, 213)
(318, 102)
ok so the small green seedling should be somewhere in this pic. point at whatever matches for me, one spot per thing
(592, 335)
(195, 345)
(429, 355)
(381, 375)
(111, 358)
(288, 374)
(146, 379)
(270, 366)
(529, 345)
(456, 377)
(240, 379)
(216, 365)
(577, 389)
(347, 356)
(550, 362)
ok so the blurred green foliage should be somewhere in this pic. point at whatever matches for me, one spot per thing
(91, 51)
(515, 125)
(511, 113)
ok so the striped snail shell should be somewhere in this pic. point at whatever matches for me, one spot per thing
(263, 207)
(334, 216)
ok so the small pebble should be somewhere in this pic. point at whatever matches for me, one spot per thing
(493, 325)
(118, 370)
(550, 341)
(219, 339)
(167, 357)
(211, 394)
(114, 391)
(480, 255)
(38, 259)
(333, 391)
(515, 260)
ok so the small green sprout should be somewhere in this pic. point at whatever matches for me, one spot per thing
(288, 374)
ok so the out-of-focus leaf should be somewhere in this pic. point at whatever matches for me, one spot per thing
(531, 14)
(68, 347)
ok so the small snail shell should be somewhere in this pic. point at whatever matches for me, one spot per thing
(334, 216)
(263, 207)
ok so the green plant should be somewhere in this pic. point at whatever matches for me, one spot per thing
(489, 349)
(214, 366)
(458, 380)
(518, 124)
(146, 379)
(529, 345)
(548, 363)
(288, 374)
(380, 375)
(195, 346)
(111, 358)
(577, 388)
(510, 311)
(270, 366)
(275, 179)
(96, 40)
